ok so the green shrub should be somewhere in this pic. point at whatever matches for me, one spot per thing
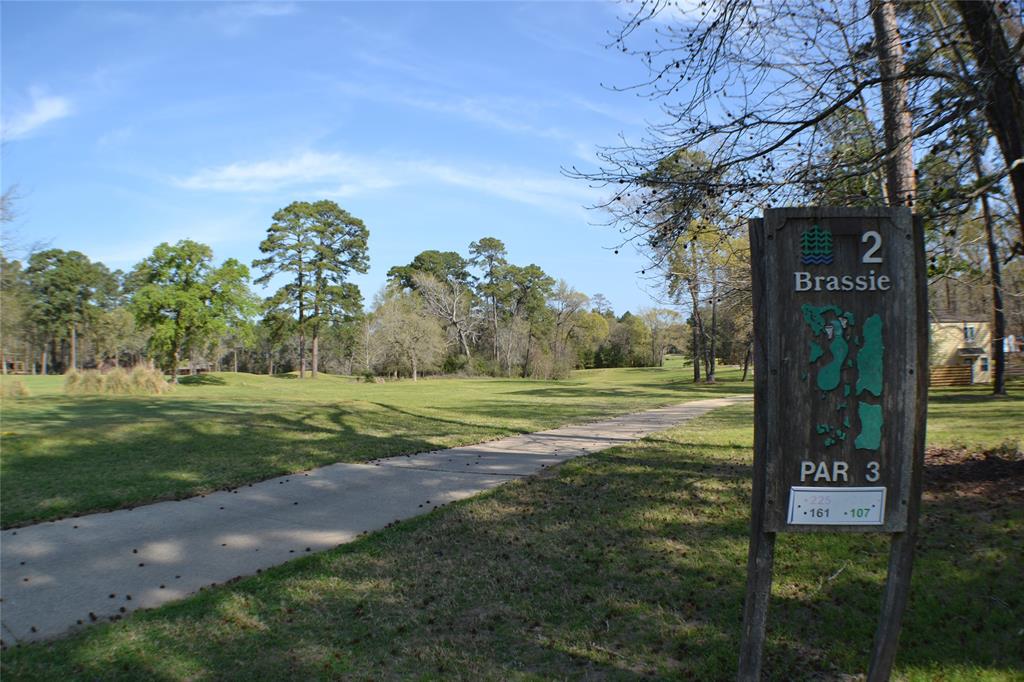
(454, 364)
(14, 388)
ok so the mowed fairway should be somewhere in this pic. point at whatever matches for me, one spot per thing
(627, 564)
(65, 455)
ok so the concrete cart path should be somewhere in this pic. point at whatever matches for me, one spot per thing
(62, 575)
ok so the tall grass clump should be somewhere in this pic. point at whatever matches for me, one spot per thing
(141, 381)
(73, 382)
(15, 388)
(115, 382)
(148, 381)
(86, 382)
(92, 382)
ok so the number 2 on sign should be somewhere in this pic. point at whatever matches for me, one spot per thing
(876, 243)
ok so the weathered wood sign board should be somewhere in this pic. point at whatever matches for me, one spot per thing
(838, 338)
(840, 356)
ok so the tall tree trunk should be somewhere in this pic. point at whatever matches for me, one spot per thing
(899, 133)
(366, 346)
(526, 362)
(998, 312)
(698, 322)
(174, 364)
(234, 362)
(42, 360)
(746, 360)
(508, 355)
(710, 378)
(74, 346)
(316, 351)
(494, 329)
(302, 333)
(412, 358)
(696, 351)
(1003, 93)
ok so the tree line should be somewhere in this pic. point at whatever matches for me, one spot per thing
(444, 312)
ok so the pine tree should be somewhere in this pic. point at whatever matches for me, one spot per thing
(319, 244)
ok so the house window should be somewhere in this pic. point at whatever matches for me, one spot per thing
(970, 333)
(984, 364)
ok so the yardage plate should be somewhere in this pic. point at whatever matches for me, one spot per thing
(837, 506)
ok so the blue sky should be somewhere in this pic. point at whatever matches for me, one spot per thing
(129, 124)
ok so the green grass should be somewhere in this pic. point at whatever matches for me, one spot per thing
(970, 417)
(63, 455)
(627, 564)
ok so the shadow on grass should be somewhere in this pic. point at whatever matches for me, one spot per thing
(938, 398)
(175, 449)
(112, 452)
(641, 390)
(202, 380)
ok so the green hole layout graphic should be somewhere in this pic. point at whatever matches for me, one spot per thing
(849, 350)
(869, 358)
(870, 426)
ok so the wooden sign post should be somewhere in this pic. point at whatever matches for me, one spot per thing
(840, 349)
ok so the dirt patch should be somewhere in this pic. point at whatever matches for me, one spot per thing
(990, 473)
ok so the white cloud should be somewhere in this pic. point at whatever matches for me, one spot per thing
(234, 17)
(350, 175)
(177, 223)
(673, 13)
(116, 137)
(612, 113)
(555, 193)
(305, 168)
(42, 110)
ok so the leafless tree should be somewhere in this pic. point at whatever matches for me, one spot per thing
(407, 331)
(566, 304)
(659, 321)
(758, 87)
(451, 302)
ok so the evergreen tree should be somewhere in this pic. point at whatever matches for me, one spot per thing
(319, 244)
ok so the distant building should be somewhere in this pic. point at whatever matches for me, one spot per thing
(960, 349)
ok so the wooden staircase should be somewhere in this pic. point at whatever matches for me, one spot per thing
(1015, 367)
(955, 375)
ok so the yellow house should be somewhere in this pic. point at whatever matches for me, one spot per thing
(960, 349)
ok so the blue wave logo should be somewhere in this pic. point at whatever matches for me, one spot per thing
(816, 246)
